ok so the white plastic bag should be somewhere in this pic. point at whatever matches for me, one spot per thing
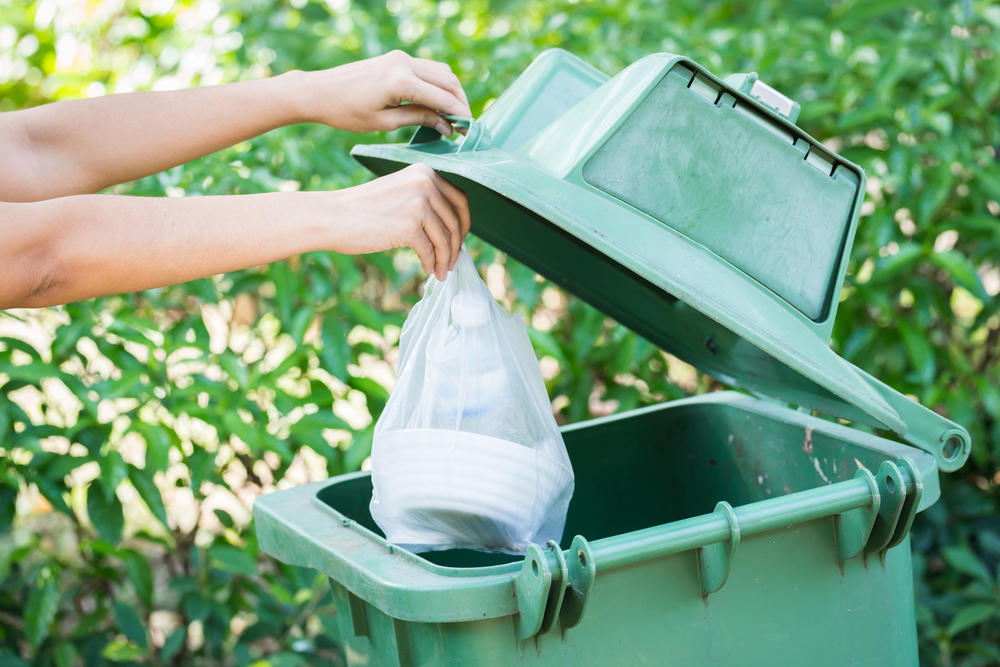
(467, 453)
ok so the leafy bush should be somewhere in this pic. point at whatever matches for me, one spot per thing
(138, 429)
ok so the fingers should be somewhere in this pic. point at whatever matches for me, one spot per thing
(438, 218)
(446, 213)
(416, 114)
(419, 91)
(459, 202)
(425, 251)
(440, 75)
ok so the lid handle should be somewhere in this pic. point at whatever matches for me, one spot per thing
(750, 85)
(477, 137)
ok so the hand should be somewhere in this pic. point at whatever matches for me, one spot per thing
(413, 207)
(368, 94)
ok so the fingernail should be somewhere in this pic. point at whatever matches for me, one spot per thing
(445, 129)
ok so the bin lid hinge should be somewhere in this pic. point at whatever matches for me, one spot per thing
(581, 572)
(553, 585)
(913, 494)
(531, 589)
(557, 591)
(896, 507)
(715, 561)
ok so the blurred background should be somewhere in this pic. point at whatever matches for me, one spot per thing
(136, 430)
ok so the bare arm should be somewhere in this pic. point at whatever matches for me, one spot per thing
(82, 146)
(75, 247)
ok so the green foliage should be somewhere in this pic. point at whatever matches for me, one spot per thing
(137, 429)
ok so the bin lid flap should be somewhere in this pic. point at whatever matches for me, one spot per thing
(689, 209)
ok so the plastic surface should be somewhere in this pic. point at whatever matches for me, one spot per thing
(734, 263)
(648, 483)
(467, 453)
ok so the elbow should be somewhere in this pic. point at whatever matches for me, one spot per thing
(43, 284)
(31, 272)
(37, 285)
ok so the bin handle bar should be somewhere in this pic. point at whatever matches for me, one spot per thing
(759, 517)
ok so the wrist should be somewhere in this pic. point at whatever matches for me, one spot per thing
(292, 92)
(319, 211)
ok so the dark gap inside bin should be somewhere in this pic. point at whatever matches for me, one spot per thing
(663, 464)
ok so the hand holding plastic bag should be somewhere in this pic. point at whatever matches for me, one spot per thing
(467, 453)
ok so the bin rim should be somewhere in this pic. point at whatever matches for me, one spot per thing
(295, 526)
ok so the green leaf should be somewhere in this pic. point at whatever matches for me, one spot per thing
(972, 615)
(376, 394)
(8, 659)
(149, 492)
(141, 576)
(919, 350)
(196, 607)
(11, 343)
(964, 560)
(961, 271)
(105, 513)
(891, 266)
(225, 518)
(5, 420)
(113, 471)
(235, 368)
(361, 448)
(157, 445)
(524, 282)
(248, 433)
(54, 494)
(40, 610)
(66, 655)
(202, 466)
(130, 624)
(173, 644)
(335, 353)
(122, 651)
(231, 559)
(8, 496)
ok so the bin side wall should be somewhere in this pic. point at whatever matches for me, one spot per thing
(786, 602)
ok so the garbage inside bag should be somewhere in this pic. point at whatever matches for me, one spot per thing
(467, 453)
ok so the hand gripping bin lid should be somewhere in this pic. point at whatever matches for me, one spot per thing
(696, 213)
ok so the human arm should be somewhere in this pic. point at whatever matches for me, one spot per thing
(82, 146)
(75, 247)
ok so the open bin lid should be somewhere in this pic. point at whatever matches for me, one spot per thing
(688, 208)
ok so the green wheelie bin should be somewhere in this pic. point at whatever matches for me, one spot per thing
(767, 526)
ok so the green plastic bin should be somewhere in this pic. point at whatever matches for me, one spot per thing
(722, 529)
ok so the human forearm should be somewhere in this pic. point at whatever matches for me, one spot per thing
(83, 146)
(76, 247)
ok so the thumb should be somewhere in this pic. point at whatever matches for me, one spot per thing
(416, 114)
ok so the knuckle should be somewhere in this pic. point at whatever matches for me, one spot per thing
(413, 224)
(402, 82)
(424, 186)
(425, 173)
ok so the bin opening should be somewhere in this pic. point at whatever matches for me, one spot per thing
(669, 462)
